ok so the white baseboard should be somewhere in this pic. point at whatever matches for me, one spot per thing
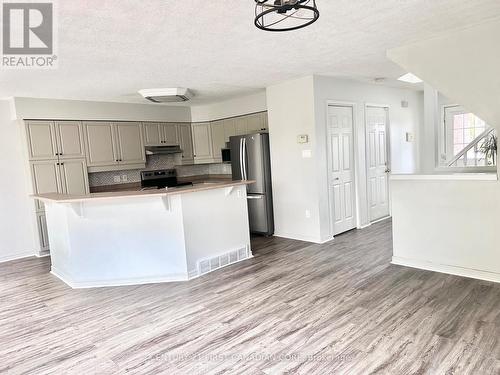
(328, 239)
(444, 268)
(106, 283)
(382, 219)
(21, 255)
(298, 237)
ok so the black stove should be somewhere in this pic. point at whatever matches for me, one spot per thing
(161, 179)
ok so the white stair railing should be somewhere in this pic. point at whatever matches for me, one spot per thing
(471, 155)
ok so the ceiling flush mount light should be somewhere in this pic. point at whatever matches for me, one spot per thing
(167, 95)
(285, 15)
(410, 78)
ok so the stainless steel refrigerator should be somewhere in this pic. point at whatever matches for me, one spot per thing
(250, 160)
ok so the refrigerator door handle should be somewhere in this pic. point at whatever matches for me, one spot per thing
(241, 159)
(255, 196)
(245, 177)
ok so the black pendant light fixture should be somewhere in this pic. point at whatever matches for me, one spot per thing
(285, 15)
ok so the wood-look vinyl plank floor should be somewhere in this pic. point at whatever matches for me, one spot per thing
(296, 308)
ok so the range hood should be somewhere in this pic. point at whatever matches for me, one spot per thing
(163, 150)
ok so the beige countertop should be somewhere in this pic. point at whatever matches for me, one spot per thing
(64, 198)
(133, 186)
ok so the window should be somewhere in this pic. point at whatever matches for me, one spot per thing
(464, 138)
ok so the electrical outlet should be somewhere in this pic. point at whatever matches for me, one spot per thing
(124, 178)
(308, 214)
(116, 178)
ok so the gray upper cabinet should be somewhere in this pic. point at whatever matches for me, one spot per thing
(49, 140)
(186, 143)
(202, 142)
(241, 125)
(229, 128)
(169, 134)
(69, 136)
(256, 123)
(114, 146)
(42, 143)
(160, 134)
(101, 145)
(218, 139)
(130, 143)
(152, 134)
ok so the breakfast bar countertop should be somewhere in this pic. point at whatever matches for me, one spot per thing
(64, 198)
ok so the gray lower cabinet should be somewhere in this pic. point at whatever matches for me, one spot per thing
(68, 176)
(43, 234)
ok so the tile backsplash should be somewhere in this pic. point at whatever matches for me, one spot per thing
(157, 162)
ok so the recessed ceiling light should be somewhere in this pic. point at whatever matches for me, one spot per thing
(410, 78)
(167, 95)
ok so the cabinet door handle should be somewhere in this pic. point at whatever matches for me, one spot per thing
(62, 163)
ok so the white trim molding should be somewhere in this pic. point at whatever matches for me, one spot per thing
(21, 255)
(446, 177)
(107, 283)
(448, 269)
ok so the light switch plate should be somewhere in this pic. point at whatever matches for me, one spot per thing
(306, 154)
(410, 137)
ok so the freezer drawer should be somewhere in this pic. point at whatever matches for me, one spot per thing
(258, 214)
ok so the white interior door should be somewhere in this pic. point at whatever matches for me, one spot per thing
(377, 162)
(341, 169)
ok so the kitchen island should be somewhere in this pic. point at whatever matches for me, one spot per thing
(138, 237)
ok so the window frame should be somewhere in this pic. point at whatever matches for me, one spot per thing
(442, 141)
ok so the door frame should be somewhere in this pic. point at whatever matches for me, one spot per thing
(355, 145)
(387, 107)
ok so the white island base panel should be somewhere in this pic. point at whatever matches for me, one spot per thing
(147, 239)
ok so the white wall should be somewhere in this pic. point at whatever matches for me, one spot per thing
(299, 107)
(56, 109)
(464, 65)
(230, 108)
(16, 223)
(291, 112)
(404, 155)
(447, 226)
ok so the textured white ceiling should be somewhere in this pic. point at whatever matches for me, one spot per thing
(110, 49)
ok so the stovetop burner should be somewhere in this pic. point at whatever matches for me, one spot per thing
(161, 179)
